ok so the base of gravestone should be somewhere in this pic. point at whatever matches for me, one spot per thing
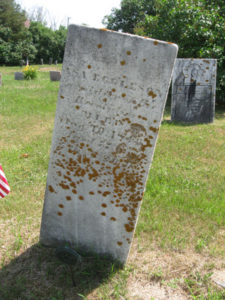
(55, 75)
(19, 76)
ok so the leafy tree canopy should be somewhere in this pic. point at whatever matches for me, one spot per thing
(197, 26)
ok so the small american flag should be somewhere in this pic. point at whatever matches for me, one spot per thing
(4, 186)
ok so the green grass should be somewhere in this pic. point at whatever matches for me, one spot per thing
(182, 215)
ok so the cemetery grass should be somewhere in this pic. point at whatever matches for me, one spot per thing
(178, 250)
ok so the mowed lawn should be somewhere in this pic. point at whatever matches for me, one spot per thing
(179, 246)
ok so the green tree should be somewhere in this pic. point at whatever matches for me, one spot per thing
(129, 15)
(197, 26)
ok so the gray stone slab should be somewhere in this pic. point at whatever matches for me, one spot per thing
(19, 76)
(110, 105)
(193, 90)
(55, 75)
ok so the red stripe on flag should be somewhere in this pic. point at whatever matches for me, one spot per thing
(1, 195)
(3, 179)
(4, 189)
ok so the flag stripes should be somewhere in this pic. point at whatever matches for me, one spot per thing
(4, 186)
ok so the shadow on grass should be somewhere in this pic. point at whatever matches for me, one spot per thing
(38, 274)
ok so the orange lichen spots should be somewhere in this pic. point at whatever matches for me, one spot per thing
(61, 205)
(89, 66)
(144, 59)
(113, 219)
(125, 209)
(128, 52)
(129, 228)
(206, 81)
(91, 193)
(86, 160)
(113, 90)
(104, 100)
(59, 213)
(90, 150)
(206, 61)
(198, 83)
(67, 178)
(117, 201)
(59, 173)
(152, 94)
(64, 186)
(81, 198)
(73, 184)
(99, 46)
(93, 155)
(74, 191)
(80, 172)
(99, 192)
(119, 243)
(104, 29)
(112, 201)
(100, 185)
(155, 121)
(156, 43)
(124, 76)
(170, 43)
(68, 198)
(207, 68)
(123, 95)
(154, 129)
(81, 145)
(103, 213)
(106, 193)
(93, 175)
(97, 162)
(77, 107)
(104, 205)
(50, 188)
(122, 62)
(62, 97)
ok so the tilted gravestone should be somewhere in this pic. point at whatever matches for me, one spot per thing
(19, 76)
(193, 90)
(111, 100)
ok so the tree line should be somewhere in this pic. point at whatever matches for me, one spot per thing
(21, 38)
(196, 26)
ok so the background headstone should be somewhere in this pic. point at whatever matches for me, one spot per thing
(193, 90)
(19, 76)
(50, 60)
(42, 61)
(55, 75)
(56, 62)
(110, 105)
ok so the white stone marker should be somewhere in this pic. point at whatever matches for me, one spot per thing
(111, 100)
(194, 90)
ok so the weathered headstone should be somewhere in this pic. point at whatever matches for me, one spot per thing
(19, 76)
(42, 61)
(110, 104)
(56, 62)
(193, 90)
(50, 60)
(55, 75)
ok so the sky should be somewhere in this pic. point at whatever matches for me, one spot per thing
(89, 12)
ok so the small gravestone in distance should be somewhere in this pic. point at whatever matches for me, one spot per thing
(42, 61)
(110, 105)
(55, 75)
(50, 60)
(19, 76)
(56, 62)
(193, 90)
